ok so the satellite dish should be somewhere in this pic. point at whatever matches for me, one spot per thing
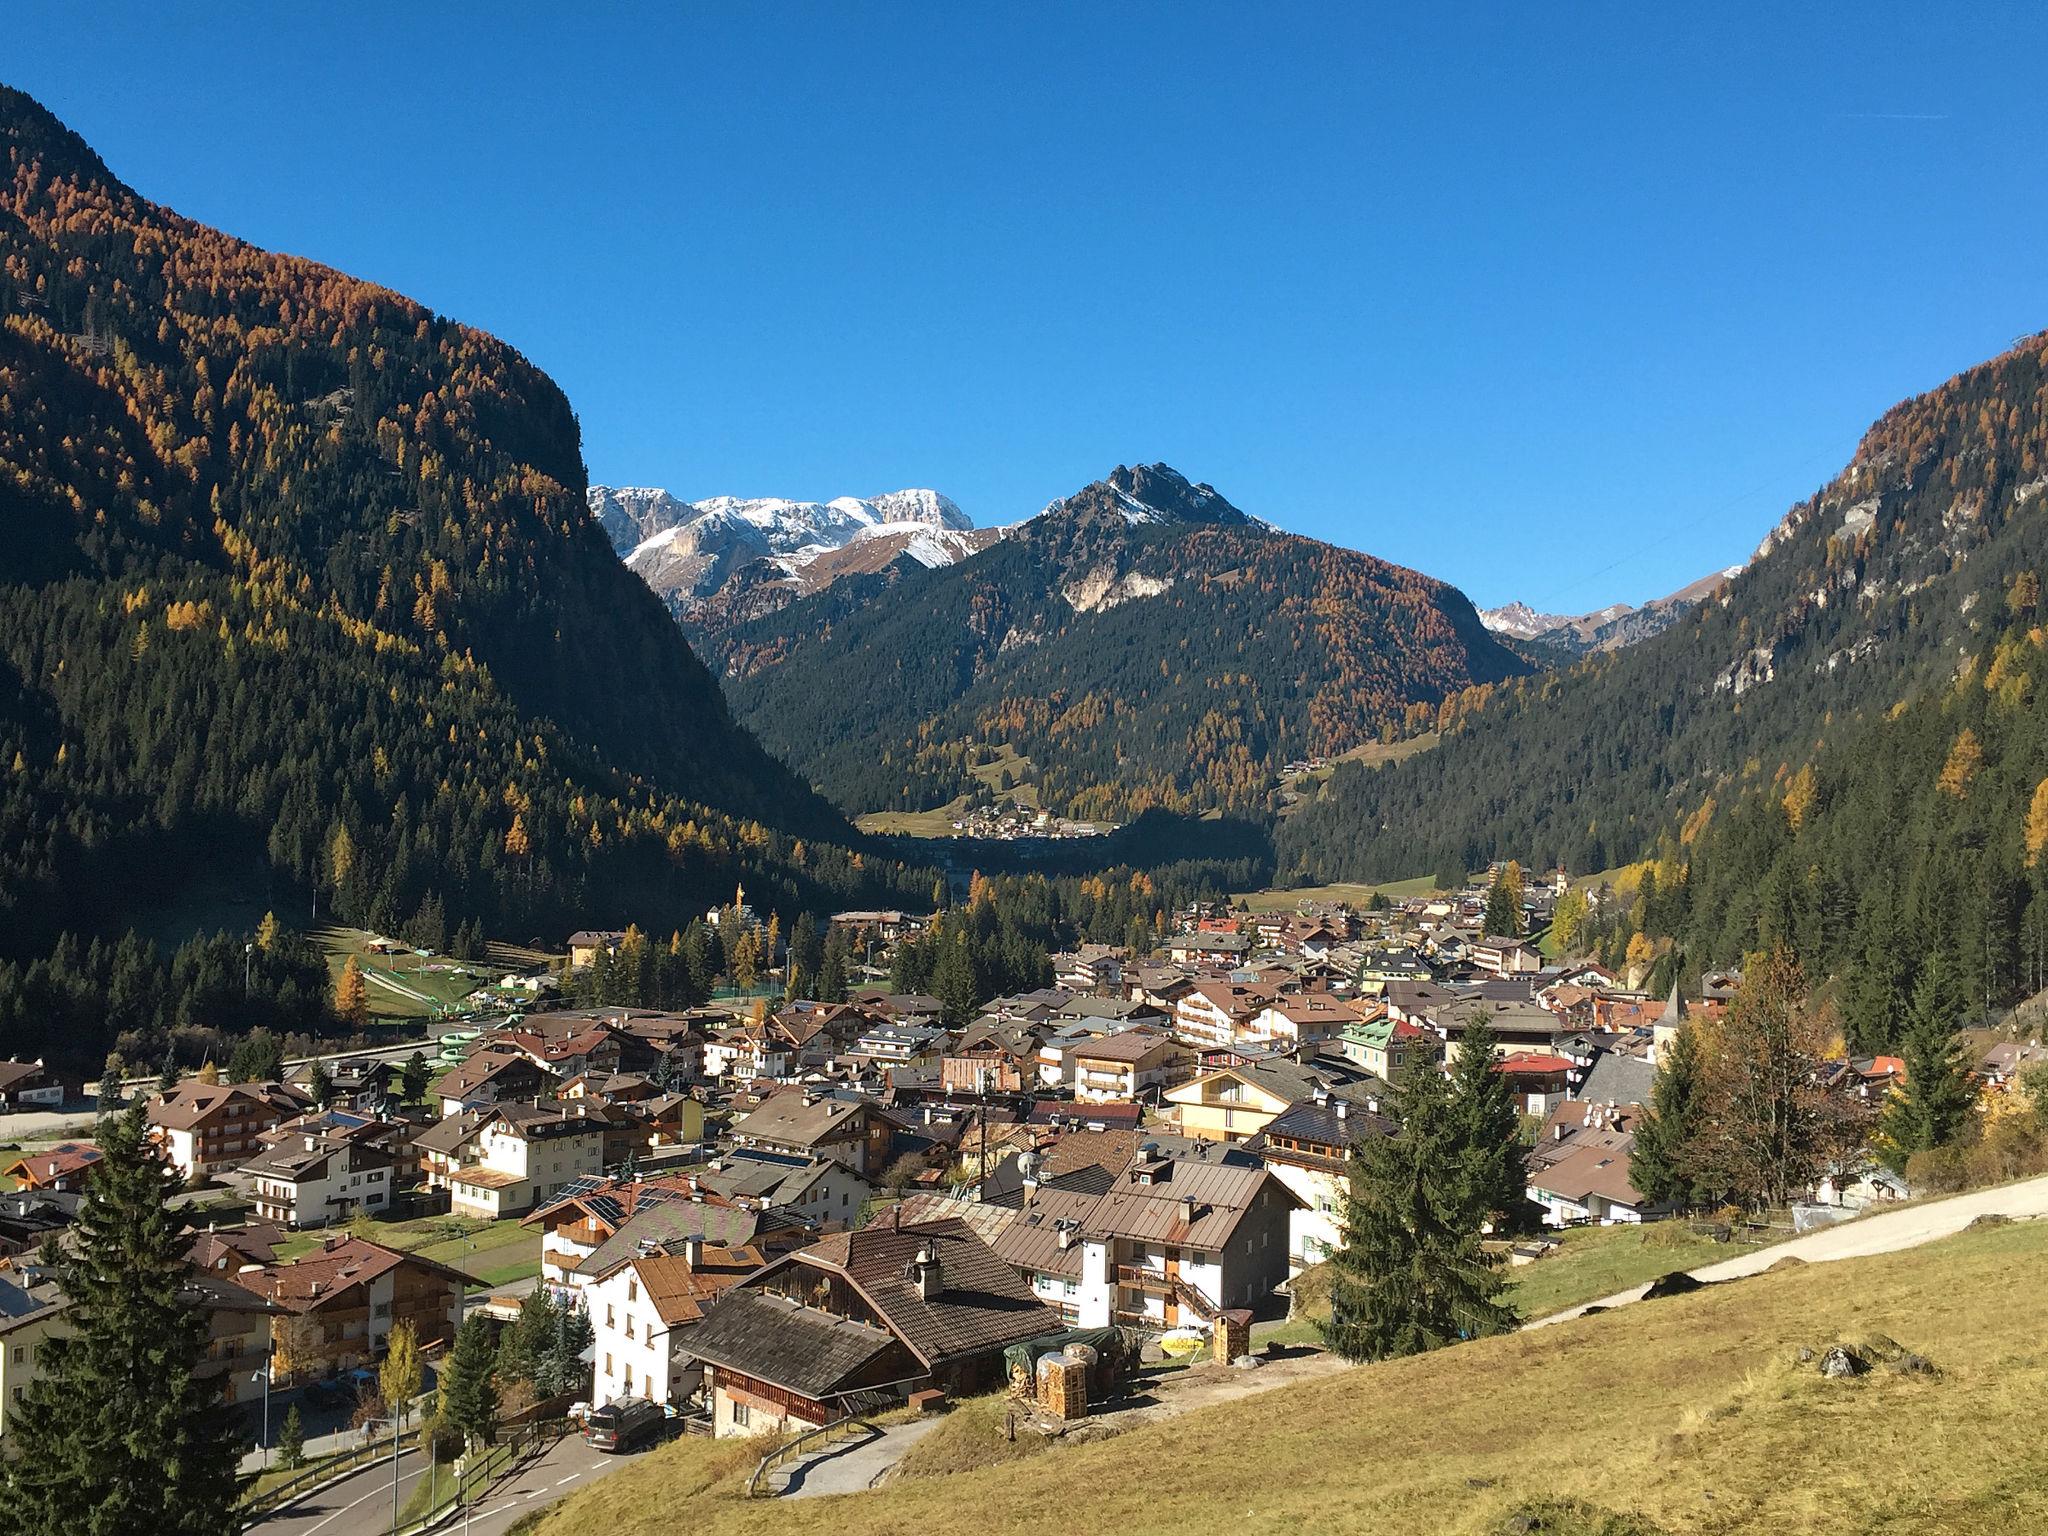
(1028, 1165)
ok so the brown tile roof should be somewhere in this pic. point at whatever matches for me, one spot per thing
(67, 1157)
(312, 1282)
(682, 1292)
(188, 1104)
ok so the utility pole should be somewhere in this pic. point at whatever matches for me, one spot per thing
(393, 1407)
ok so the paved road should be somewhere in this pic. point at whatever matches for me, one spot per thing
(569, 1466)
(1885, 1232)
(360, 1505)
(853, 1466)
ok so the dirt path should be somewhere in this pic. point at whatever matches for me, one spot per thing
(1885, 1232)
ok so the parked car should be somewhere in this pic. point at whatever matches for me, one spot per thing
(625, 1425)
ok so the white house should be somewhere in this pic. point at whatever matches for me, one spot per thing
(1117, 1068)
(525, 1154)
(641, 1311)
(315, 1178)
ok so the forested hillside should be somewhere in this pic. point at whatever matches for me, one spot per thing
(1869, 595)
(1143, 643)
(298, 586)
(1908, 858)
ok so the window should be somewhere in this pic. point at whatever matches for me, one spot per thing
(382, 1309)
(739, 1410)
(609, 1320)
(632, 1294)
(607, 1365)
(629, 1325)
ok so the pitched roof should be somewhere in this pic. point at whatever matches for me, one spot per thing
(801, 1349)
(795, 1117)
(981, 1303)
(311, 1282)
(60, 1161)
(682, 1292)
(1197, 1205)
(186, 1105)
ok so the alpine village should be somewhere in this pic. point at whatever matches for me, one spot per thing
(533, 1005)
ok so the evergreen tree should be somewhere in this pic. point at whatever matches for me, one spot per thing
(523, 1348)
(1411, 1275)
(1934, 1103)
(291, 1440)
(120, 1435)
(469, 1389)
(167, 1079)
(565, 1370)
(413, 1078)
(1659, 1165)
(320, 1083)
(1504, 902)
(832, 971)
(1493, 1177)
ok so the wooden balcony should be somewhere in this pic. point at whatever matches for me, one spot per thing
(1137, 1277)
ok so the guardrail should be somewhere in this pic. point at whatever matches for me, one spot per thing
(325, 1470)
(783, 1451)
(474, 1482)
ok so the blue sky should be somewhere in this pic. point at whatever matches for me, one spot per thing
(1564, 304)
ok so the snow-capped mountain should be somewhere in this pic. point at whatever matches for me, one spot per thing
(734, 557)
(1604, 629)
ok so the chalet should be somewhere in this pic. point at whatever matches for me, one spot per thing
(861, 1320)
(799, 1122)
(318, 1176)
(344, 1298)
(1382, 1044)
(587, 944)
(1505, 956)
(1172, 1241)
(1093, 968)
(1206, 947)
(1305, 1148)
(208, 1128)
(1121, 1068)
(490, 1076)
(1540, 1083)
(1579, 1167)
(362, 1083)
(61, 1168)
(820, 1190)
(525, 1154)
(1219, 1013)
(1237, 1101)
(642, 1310)
(1301, 1018)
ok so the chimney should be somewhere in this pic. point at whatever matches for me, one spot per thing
(1343, 1109)
(1557, 1131)
(931, 1281)
(693, 1249)
(1187, 1207)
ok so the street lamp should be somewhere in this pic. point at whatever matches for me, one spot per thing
(264, 1444)
(248, 966)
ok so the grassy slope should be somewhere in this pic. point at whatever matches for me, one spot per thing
(1276, 900)
(403, 985)
(1683, 1412)
(496, 1251)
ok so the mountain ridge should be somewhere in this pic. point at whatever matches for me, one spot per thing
(235, 478)
(1143, 641)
